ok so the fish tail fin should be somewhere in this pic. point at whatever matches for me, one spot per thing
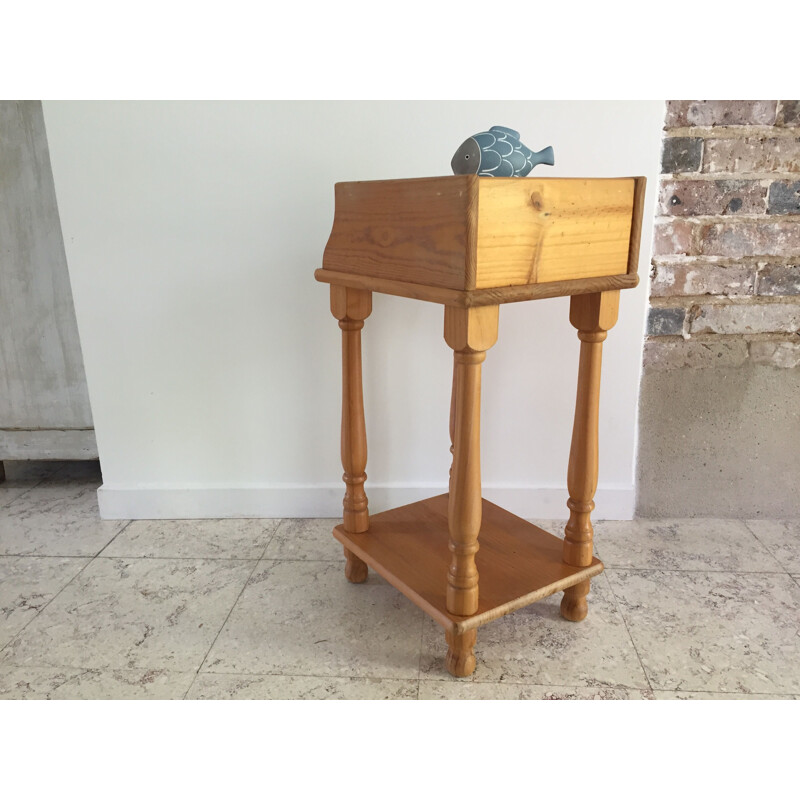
(545, 156)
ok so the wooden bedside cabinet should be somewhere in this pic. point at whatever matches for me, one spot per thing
(473, 244)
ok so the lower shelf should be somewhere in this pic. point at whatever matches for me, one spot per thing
(518, 563)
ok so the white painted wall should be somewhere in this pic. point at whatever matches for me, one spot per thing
(192, 231)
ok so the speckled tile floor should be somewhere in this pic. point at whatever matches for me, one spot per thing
(260, 609)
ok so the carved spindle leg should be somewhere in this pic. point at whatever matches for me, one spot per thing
(351, 307)
(470, 332)
(460, 658)
(452, 424)
(593, 315)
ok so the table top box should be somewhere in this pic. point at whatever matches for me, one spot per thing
(496, 239)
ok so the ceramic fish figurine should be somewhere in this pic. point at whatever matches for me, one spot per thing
(498, 152)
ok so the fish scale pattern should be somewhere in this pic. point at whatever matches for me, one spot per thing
(499, 153)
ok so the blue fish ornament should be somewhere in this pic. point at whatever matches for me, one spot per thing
(498, 152)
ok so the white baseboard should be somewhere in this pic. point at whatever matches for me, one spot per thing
(269, 502)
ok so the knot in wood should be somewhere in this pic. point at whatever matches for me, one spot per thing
(383, 236)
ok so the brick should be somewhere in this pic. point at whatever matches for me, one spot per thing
(671, 354)
(730, 318)
(681, 154)
(784, 198)
(682, 113)
(675, 237)
(751, 155)
(676, 280)
(737, 239)
(785, 355)
(690, 198)
(776, 280)
(790, 113)
(665, 321)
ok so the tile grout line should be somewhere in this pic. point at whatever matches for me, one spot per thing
(233, 606)
(607, 566)
(446, 681)
(108, 543)
(30, 489)
(99, 554)
(89, 560)
(692, 571)
(774, 557)
(419, 660)
(628, 631)
(144, 558)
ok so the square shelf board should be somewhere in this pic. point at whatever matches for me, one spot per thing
(518, 563)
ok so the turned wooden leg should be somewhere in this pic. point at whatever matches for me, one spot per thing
(355, 570)
(593, 315)
(460, 658)
(470, 332)
(351, 307)
(452, 426)
(2, 472)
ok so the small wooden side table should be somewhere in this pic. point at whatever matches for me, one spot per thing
(473, 244)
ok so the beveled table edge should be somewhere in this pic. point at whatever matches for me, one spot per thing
(472, 298)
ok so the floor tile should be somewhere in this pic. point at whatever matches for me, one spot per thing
(305, 539)
(465, 690)
(209, 686)
(56, 521)
(27, 584)
(712, 606)
(304, 618)
(51, 683)
(193, 538)
(720, 696)
(685, 544)
(713, 631)
(11, 490)
(536, 645)
(781, 538)
(22, 476)
(133, 614)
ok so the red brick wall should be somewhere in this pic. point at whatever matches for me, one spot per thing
(725, 277)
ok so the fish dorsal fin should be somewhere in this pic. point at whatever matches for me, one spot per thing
(508, 131)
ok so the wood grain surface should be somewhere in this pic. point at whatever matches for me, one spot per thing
(541, 230)
(420, 230)
(465, 233)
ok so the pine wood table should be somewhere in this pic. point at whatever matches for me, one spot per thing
(473, 244)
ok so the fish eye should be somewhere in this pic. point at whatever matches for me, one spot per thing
(466, 156)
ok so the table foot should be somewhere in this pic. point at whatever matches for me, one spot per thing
(573, 605)
(355, 570)
(460, 658)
